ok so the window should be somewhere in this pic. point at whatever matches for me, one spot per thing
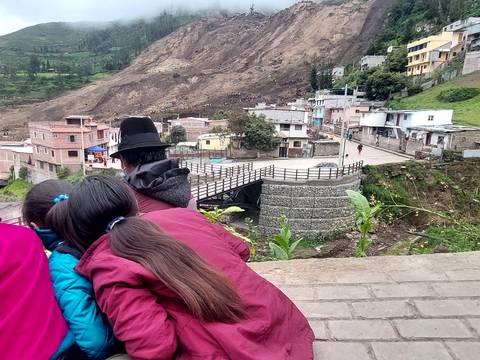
(72, 138)
(285, 127)
(43, 136)
(34, 134)
(51, 168)
(53, 153)
(441, 140)
(297, 144)
(298, 127)
(100, 134)
(207, 142)
(431, 117)
(45, 150)
(42, 165)
(73, 153)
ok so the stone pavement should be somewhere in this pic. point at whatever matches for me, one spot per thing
(387, 308)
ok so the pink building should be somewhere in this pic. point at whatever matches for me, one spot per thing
(63, 144)
(195, 127)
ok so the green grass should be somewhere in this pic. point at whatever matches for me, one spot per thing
(15, 190)
(465, 112)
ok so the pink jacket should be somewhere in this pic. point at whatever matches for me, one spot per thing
(31, 322)
(154, 323)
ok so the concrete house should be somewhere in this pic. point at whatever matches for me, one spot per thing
(16, 154)
(291, 126)
(372, 61)
(427, 54)
(214, 142)
(58, 144)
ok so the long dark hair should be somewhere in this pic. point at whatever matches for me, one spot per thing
(40, 200)
(95, 202)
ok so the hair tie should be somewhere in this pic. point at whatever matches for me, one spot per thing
(114, 222)
(61, 197)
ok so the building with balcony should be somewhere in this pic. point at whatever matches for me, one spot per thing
(291, 126)
(427, 54)
(58, 144)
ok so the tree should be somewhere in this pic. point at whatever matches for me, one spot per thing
(23, 173)
(34, 65)
(260, 134)
(237, 121)
(382, 84)
(178, 134)
(397, 60)
(313, 78)
(63, 173)
(325, 78)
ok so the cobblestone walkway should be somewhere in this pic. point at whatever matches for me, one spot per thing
(387, 308)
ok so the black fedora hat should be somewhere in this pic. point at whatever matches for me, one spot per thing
(137, 132)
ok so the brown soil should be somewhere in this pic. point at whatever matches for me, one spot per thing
(223, 62)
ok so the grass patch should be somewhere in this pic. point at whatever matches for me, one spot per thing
(465, 111)
(15, 191)
(447, 239)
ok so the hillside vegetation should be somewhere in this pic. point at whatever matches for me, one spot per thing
(44, 60)
(412, 19)
(465, 112)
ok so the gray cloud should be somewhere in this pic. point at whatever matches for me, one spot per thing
(16, 14)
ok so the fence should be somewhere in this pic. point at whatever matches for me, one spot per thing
(208, 154)
(198, 168)
(208, 190)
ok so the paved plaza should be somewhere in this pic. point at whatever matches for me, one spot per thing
(387, 308)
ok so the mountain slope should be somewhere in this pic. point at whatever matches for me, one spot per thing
(224, 62)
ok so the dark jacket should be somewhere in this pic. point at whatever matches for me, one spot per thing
(154, 323)
(160, 185)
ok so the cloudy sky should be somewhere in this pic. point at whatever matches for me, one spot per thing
(17, 14)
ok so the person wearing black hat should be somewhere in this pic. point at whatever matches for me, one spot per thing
(158, 182)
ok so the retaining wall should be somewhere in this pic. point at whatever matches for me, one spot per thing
(313, 207)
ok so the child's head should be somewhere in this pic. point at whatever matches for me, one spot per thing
(41, 199)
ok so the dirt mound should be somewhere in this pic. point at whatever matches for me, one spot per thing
(224, 62)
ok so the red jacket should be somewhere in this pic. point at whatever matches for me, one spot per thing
(148, 204)
(155, 324)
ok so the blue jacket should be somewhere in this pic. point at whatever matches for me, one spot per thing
(74, 293)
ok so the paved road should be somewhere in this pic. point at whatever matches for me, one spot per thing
(387, 308)
(369, 155)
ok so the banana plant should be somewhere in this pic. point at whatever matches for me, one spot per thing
(365, 214)
(281, 247)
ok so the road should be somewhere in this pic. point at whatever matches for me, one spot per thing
(369, 155)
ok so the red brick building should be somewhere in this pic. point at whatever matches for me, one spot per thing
(62, 144)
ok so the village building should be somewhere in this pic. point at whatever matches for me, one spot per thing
(194, 127)
(391, 129)
(372, 61)
(447, 137)
(291, 126)
(213, 142)
(113, 140)
(69, 143)
(427, 54)
(14, 156)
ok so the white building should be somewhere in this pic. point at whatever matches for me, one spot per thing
(338, 72)
(113, 140)
(290, 125)
(372, 61)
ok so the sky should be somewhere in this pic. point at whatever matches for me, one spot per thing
(17, 14)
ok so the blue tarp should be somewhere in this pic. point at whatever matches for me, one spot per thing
(95, 149)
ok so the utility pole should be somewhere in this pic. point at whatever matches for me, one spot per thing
(83, 146)
(341, 155)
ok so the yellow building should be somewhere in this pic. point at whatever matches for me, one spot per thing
(213, 142)
(427, 54)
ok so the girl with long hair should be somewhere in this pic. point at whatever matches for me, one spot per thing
(90, 334)
(173, 285)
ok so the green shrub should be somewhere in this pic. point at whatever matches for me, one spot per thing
(458, 94)
(283, 244)
(23, 173)
(414, 89)
(63, 173)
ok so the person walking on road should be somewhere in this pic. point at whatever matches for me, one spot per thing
(360, 148)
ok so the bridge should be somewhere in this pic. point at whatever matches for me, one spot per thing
(226, 189)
